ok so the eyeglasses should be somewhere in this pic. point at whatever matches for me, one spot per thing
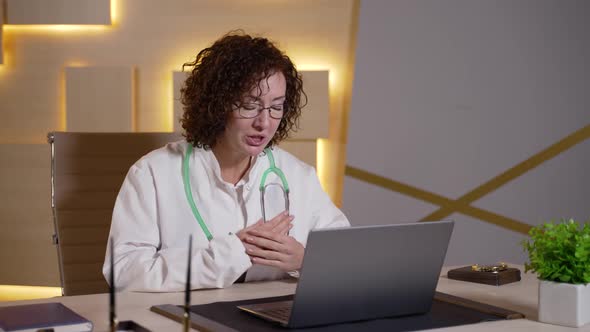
(252, 110)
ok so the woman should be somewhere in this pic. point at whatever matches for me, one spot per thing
(243, 95)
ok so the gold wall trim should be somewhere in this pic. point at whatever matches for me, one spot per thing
(397, 186)
(462, 204)
(436, 199)
(513, 172)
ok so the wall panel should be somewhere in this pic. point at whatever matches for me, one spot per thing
(178, 79)
(315, 115)
(99, 99)
(28, 112)
(28, 256)
(304, 150)
(58, 12)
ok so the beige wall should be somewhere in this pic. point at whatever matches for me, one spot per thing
(153, 37)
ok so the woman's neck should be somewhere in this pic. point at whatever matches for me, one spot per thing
(233, 166)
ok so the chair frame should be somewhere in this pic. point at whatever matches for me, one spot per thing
(55, 237)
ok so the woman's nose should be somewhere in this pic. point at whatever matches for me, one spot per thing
(262, 120)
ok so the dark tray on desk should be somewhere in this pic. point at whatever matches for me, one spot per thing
(447, 310)
(489, 278)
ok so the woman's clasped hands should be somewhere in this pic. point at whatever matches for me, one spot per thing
(269, 243)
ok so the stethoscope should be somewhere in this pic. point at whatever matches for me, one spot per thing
(271, 169)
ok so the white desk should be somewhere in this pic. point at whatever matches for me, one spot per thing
(520, 296)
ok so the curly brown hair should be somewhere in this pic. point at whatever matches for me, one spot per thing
(223, 73)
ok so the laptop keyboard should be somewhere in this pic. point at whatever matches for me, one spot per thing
(280, 313)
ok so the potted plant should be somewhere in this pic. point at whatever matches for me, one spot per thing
(560, 255)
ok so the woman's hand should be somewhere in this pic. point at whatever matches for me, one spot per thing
(274, 249)
(281, 224)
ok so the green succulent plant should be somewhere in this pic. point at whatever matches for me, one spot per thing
(560, 252)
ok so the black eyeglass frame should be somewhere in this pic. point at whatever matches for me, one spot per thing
(259, 109)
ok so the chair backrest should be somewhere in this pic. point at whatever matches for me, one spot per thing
(87, 170)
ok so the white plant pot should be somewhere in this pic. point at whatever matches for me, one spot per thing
(564, 304)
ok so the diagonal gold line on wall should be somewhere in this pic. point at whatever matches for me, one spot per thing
(512, 173)
(493, 218)
(399, 187)
(436, 199)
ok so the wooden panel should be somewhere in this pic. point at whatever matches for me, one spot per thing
(304, 150)
(314, 119)
(58, 12)
(27, 254)
(99, 99)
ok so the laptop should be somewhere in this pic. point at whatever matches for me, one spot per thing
(361, 273)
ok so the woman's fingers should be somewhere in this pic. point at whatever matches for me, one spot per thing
(281, 224)
(244, 232)
(266, 239)
(275, 249)
(278, 224)
(254, 251)
(284, 226)
(276, 221)
(270, 262)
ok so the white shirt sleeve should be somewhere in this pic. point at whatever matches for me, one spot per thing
(142, 264)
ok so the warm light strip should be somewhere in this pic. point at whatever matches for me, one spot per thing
(114, 13)
(321, 162)
(76, 63)
(17, 293)
(63, 120)
(5, 52)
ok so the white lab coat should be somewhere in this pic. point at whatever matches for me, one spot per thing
(152, 219)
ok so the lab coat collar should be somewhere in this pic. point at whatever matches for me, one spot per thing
(208, 159)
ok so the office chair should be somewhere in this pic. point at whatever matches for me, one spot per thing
(87, 170)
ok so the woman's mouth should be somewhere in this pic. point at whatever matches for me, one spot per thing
(255, 140)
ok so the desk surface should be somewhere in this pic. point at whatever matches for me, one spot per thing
(519, 296)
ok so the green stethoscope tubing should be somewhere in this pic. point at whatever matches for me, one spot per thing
(189, 193)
